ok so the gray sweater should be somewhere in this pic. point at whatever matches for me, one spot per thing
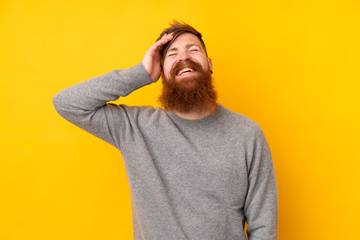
(189, 179)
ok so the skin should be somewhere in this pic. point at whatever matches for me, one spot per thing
(186, 46)
(152, 57)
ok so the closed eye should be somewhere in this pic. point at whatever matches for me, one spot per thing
(194, 50)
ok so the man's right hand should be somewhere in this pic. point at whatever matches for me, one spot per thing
(152, 57)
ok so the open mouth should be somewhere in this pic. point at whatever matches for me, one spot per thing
(184, 71)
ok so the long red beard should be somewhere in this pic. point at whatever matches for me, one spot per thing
(191, 94)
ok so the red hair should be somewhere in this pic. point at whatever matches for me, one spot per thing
(177, 29)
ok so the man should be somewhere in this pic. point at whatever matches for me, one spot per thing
(196, 170)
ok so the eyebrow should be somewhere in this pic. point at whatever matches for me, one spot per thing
(189, 45)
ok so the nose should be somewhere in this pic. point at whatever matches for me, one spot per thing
(184, 55)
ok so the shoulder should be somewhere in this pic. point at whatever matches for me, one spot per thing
(247, 130)
(241, 122)
(143, 113)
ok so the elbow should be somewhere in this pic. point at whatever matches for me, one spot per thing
(59, 104)
(56, 102)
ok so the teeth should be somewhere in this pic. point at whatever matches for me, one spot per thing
(184, 70)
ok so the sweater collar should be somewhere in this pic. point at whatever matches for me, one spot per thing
(215, 115)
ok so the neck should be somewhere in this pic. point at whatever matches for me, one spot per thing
(196, 115)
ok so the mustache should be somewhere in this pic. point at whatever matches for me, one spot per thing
(182, 64)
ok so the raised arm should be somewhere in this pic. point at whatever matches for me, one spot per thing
(85, 104)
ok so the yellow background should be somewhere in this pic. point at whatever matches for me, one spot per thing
(292, 66)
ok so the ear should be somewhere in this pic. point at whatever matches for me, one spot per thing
(210, 64)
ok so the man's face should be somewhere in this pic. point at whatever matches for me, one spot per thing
(186, 77)
(186, 48)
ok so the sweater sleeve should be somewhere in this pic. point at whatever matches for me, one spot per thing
(261, 205)
(85, 104)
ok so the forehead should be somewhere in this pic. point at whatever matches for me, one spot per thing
(185, 39)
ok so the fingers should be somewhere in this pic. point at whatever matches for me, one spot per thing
(167, 37)
(160, 43)
(151, 59)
